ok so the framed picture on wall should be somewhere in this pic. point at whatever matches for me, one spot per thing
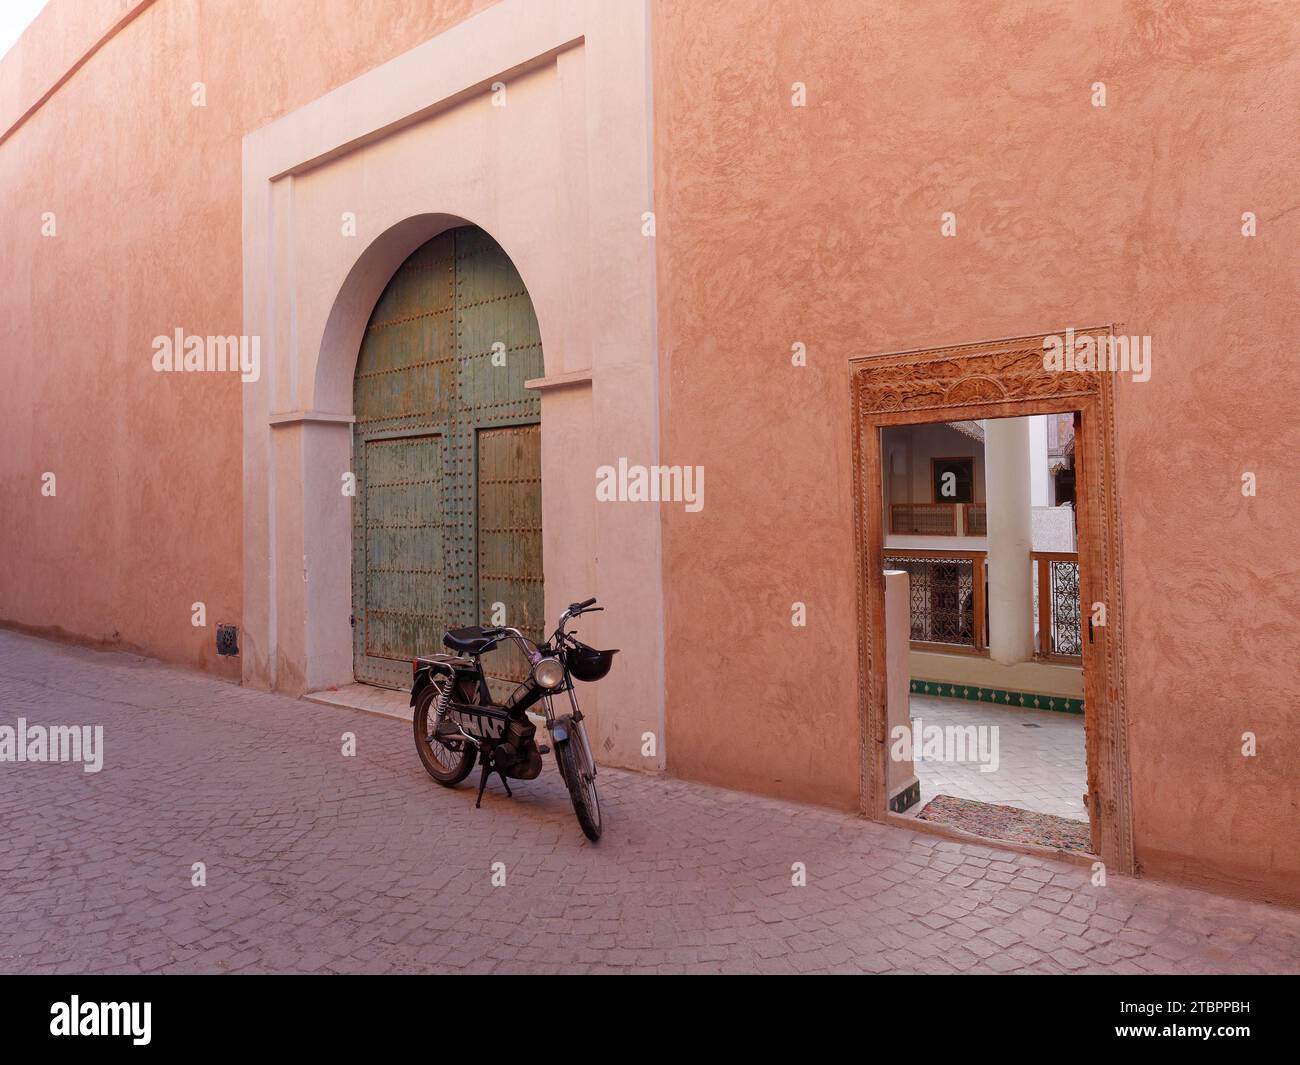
(953, 480)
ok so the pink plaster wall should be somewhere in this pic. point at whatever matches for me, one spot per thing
(146, 190)
(775, 225)
(821, 224)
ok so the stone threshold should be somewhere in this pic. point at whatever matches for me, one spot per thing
(957, 835)
(366, 697)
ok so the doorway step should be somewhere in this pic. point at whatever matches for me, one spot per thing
(383, 701)
(994, 821)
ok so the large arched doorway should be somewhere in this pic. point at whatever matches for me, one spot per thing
(446, 522)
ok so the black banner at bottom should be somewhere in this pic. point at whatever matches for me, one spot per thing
(339, 1013)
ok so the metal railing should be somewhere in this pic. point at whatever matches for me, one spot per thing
(948, 601)
(1057, 608)
(947, 597)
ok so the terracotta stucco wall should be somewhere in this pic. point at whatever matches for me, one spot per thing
(145, 189)
(821, 225)
(775, 225)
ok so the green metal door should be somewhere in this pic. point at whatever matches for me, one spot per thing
(446, 521)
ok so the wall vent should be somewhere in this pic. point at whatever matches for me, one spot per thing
(227, 640)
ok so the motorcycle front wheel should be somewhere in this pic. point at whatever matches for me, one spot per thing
(582, 786)
(448, 762)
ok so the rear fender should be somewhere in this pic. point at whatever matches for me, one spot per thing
(429, 666)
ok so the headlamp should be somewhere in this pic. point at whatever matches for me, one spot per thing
(549, 672)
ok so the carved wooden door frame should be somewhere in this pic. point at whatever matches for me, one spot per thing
(1000, 379)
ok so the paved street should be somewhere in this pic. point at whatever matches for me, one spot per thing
(316, 862)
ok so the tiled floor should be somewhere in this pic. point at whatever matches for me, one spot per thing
(316, 861)
(1041, 760)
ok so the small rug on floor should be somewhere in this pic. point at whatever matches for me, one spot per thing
(1006, 822)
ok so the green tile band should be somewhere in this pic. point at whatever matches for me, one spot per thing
(1030, 700)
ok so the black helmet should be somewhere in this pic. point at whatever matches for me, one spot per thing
(586, 663)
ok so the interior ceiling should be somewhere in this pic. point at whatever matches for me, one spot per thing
(973, 429)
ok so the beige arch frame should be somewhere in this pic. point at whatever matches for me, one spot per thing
(560, 177)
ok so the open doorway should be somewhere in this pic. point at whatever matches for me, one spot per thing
(961, 388)
(983, 613)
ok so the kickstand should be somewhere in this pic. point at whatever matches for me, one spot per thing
(489, 765)
(483, 779)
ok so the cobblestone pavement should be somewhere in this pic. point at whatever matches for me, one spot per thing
(322, 863)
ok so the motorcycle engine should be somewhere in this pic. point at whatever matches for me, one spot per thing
(517, 753)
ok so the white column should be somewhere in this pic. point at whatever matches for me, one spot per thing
(1038, 478)
(1011, 589)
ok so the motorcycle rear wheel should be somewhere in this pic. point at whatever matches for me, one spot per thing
(448, 763)
(582, 789)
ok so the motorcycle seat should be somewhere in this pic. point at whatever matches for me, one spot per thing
(468, 641)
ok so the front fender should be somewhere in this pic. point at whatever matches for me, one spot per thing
(566, 729)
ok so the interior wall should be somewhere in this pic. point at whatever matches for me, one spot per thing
(937, 441)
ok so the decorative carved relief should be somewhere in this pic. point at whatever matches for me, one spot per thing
(979, 373)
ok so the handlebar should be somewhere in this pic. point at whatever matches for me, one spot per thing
(529, 648)
(574, 610)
